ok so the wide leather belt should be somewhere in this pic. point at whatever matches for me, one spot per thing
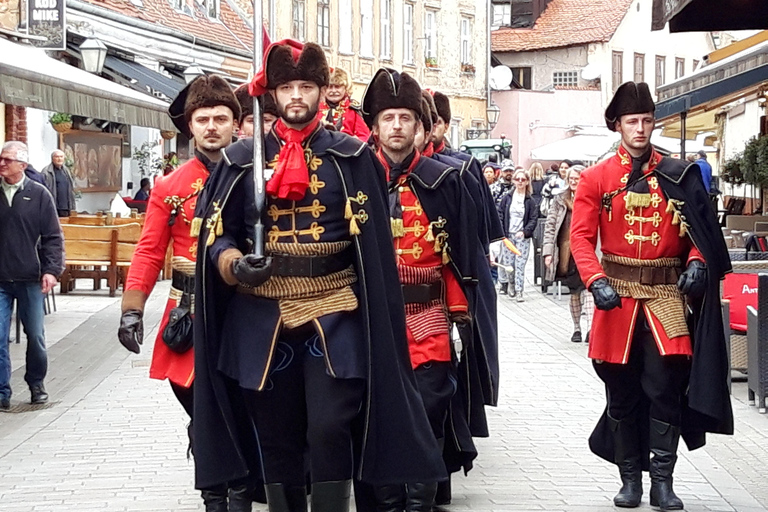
(642, 275)
(311, 266)
(422, 293)
(183, 282)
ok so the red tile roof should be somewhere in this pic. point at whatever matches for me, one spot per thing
(564, 23)
(161, 13)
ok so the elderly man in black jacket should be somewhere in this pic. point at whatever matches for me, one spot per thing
(60, 183)
(30, 263)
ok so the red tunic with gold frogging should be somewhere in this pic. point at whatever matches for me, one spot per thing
(420, 260)
(632, 232)
(177, 190)
(346, 119)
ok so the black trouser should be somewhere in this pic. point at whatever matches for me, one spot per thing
(185, 396)
(661, 378)
(437, 385)
(302, 404)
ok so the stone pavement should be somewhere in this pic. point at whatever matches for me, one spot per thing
(114, 440)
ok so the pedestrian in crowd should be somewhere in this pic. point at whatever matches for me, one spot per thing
(663, 256)
(205, 111)
(145, 187)
(31, 261)
(269, 113)
(706, 170)
(536, 172)
(556, 250)
(555, 185)
(313, 335)
(433, 263)
(504, 184)
(31, 173)
(491, 172)
(60, 183)
(339, 111)
(518, 217)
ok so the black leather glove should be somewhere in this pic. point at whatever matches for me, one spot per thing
(131, 331)
(605, 296)
(693, 282)
(252, 270)
(461, 317)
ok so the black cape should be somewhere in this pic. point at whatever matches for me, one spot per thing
(708, 407)
(396, 444)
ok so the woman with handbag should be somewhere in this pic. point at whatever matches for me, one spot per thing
(556, 250)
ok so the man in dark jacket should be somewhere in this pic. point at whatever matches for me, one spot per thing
(30, 263)
(60, 184)
(314, 335)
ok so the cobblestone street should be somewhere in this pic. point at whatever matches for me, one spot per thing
(112, 439)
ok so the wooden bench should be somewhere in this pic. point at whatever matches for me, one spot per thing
(98, 252)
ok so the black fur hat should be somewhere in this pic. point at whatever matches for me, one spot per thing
(268, 105)
(630, 98)
(429, 112)
(443, 106)
(285, 65)
(203, 91)
(245, 100)
(390, 89)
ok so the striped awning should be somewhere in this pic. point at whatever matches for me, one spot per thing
(29, 78)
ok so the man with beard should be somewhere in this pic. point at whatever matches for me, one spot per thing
(269, 113)
(433, 226)
(504, 184)
(341, 112)
(206, 111)
(657, 340)
(314, 333)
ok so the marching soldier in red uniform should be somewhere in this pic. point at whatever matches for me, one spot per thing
(657, 339)
(207, 111)
(432, 228)
(339, 110)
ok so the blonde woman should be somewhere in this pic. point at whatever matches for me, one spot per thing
(518, 218)
(557, 251)
(536, 172)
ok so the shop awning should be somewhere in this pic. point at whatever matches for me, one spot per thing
(709, 15)
(588, 147)
(29, 78)
(144, 77)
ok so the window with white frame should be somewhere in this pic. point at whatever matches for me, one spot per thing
(299, 29)
(345, 26)
(501, 14)
(385, 36)
(408, 33)
(466, 40)
(366, 28)
(430, 37)
(177, 4)
(565, 78)
(324, 23)
(211, 8)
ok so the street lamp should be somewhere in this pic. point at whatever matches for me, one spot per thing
(192, 72)
(492, 114)
(94, 53)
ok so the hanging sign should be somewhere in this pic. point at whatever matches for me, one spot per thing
(46, 18)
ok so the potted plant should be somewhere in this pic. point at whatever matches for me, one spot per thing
(468, 68)
(146, 160)
(61, 122)
(167, 134)
(431, 62)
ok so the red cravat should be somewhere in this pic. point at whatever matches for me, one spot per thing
(291, 177)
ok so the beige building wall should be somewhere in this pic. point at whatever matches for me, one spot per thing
(466, 88)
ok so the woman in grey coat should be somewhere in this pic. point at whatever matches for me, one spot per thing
(556, 250)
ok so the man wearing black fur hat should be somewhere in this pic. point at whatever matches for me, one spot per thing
(657, 340)
(314, 334)
(433, 225)
(206, 110)
(269, 113)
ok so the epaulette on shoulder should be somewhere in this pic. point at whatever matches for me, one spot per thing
(240, 153)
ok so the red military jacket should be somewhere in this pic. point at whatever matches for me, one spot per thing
(179, 190)
(419, 253)
(346, 118)
(639, 233)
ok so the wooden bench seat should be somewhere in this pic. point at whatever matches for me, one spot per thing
(98, 252)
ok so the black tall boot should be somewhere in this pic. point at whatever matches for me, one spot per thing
(390, 498)
(215, 500)
(420, 497)
(626, 442)
(443, 496)
(663, 443)
(331, 496)
(240, 498)
(281, 498)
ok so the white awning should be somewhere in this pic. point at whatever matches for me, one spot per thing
(588, 147)
(29, 78)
